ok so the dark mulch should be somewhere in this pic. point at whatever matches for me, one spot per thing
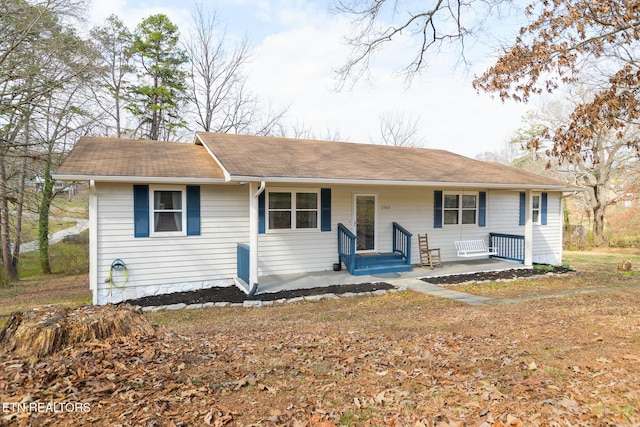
(232, 294)
(539, 269)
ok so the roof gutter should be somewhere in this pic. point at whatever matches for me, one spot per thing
(501, 186)
(139, 179)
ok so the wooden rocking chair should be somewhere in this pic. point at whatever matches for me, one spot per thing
(428, 257)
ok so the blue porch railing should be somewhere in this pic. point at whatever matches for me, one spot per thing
(402, 242)
(242, 268)
(510, 246)
(346, 248)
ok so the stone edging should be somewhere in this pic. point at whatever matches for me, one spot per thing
(258, 303)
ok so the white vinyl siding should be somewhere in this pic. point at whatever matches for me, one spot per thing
(412, 208)
(152, 261)
(307, 251)
(547, 239)
(211, 256)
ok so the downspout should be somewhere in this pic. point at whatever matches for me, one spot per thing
(260, 189)
(93, 242)
(253, 243)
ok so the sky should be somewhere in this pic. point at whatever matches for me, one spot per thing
(298, 45)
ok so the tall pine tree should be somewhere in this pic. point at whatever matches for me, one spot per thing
(161, 90)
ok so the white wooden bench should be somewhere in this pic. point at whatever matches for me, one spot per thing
(473, 248)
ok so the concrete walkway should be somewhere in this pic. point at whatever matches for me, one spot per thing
(407, 280)
(58, 236)
(438, 291)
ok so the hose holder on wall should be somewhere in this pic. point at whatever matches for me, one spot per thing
(118, 265)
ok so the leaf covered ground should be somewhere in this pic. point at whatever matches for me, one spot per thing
(403, 359)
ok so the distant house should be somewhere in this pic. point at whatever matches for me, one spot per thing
(229, 209)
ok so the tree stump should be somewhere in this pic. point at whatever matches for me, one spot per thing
(43, 331)
(625, 265)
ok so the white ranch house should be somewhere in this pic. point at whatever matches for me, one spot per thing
(229, 209)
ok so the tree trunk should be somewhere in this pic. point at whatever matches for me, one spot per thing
(598, 207)
(43, 220)
(17, 241)
(598, 227)
(5, 227)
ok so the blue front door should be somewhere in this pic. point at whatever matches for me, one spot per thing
(365, 222)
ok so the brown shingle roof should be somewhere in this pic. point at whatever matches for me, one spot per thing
(271, 157)
(285, 160)
(112, 157)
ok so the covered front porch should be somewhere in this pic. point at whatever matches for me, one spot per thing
(284, 282)
(371, 234)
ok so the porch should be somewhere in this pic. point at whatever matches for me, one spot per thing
(506, 246)
(284, 282)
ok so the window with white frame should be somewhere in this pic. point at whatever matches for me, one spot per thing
(167, 211)
(460, 209)
(293, 210)
(535, 208)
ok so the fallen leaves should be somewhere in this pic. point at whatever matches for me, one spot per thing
(219, 416)
(296, 374)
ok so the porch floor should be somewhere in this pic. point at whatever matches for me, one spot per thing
(285, 282)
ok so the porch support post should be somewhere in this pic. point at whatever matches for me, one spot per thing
(254, 193)
(528, 229)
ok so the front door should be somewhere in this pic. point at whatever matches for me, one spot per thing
(365, 222)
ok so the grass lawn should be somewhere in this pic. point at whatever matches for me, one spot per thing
(403, 359)
(594, 270)
(69, 285)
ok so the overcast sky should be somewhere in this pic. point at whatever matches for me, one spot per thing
(298, 45)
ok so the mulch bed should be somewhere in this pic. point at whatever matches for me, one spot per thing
(496, 275)
(232, 294)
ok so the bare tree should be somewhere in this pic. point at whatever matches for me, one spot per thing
(430, 25)
(300, 130)
(58, 122)
(39, 54)
(216, 73)
(114, 41)
(507, 155)
(23, 29)
(400, 130)
(218, 89)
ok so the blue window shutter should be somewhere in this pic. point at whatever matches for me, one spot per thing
(193, 210)
(141, 211)
(543, 209)
(523, 204)
(261, 213)
(325, 209)
(437, 209)
(482, 209)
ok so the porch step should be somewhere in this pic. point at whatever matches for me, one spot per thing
(377, 269)
(380, 263)
(375, 259)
